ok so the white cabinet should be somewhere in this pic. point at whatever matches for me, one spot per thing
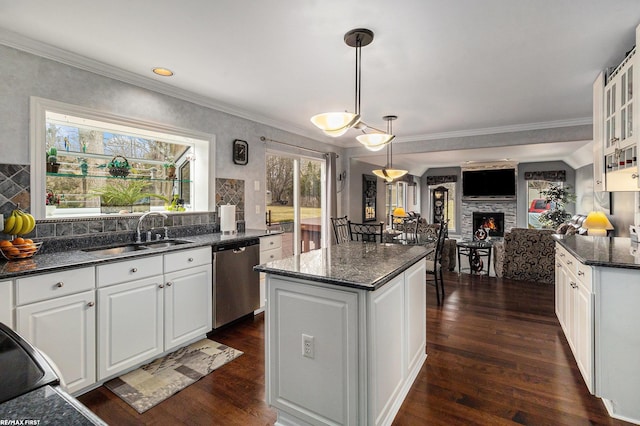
(56, 313)
(599, 175)
(141, 318)
(187, 296)
(615, 118)
(129, 323)
(575, 310)
(270, 250)
(6, 303)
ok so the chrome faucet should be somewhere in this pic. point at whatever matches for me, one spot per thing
(139, 225)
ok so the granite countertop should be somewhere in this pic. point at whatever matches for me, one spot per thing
(47, 406)
(613, 252)
(359, 265)
(77, 258)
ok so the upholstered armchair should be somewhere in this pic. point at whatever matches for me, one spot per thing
(526, 254)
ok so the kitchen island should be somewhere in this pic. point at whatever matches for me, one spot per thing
(345, 332)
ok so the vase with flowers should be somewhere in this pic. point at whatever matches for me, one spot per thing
(51, 202)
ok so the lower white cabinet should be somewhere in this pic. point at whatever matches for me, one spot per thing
(187, 305)
(575, 310)
(6, 303)
(270, 250)
(64, 329)
(143, 318)
(130, 318)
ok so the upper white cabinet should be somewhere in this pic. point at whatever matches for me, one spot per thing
(615, 126)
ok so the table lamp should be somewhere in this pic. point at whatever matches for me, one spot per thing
(597, 224)
(399, 211)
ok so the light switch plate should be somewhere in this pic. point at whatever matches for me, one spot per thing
(256, 185)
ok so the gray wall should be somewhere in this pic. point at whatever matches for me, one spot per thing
(25, 75)
(354, 206)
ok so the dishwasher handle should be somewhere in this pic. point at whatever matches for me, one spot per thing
(239, 249)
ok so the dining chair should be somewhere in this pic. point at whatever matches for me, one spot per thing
(366, 232)
(341, 229)
(434, 265)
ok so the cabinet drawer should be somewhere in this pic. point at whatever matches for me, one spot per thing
(270, 255)
(561, 254)
(129, 270)
(583, 273)
(187, 258)
(270, 242)
(55, 284)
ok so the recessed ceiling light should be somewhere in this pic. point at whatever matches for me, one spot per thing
(165, 72)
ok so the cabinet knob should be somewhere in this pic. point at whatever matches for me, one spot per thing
(271, 257)
(91, 304)
(569, 262)
(169, 283)
(634, 176)
(161, 286)
(271, 243)
(580, 273)
(598, 182)
(60, 284)
(572, 284)
(134, 270)
(190, 259)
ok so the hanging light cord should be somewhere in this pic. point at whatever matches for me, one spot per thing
(358, 72)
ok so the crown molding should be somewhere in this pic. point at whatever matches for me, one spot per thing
(47, 51)
(500, 129)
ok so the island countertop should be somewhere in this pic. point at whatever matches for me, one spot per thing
(612, 252)
(360, 265)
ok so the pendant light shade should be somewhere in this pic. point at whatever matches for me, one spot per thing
(388, 173)
(373, 140)
(337, 123)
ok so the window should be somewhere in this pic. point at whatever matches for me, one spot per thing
(95, 152)
(536, 202)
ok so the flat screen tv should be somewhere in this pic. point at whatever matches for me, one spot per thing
(489, 183)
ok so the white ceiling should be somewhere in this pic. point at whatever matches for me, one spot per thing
(442, 66)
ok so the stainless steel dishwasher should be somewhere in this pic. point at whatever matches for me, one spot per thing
(236, 289)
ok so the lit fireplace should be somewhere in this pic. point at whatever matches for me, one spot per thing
(491, 223)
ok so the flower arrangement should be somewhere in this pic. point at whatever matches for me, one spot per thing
(51, 198)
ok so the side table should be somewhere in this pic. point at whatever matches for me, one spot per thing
(475, 251)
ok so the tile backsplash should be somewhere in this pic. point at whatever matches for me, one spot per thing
(15, 181)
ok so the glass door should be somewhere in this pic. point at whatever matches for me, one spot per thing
(295, 201)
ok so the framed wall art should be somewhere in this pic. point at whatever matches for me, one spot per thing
(369, 193)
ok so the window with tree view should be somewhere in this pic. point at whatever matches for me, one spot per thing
(93, 169)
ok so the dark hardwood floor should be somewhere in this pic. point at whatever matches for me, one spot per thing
(496, 355)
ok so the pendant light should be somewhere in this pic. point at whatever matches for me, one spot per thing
(388, 173)
(337, 123)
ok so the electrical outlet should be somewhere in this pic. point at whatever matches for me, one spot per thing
(308, 346)
(256, 185)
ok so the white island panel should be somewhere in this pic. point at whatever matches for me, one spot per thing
(324, 386)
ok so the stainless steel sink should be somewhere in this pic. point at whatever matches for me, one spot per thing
(164, 243)
(108, 251)
(129, 247)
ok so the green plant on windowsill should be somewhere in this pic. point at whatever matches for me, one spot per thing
(124, 195)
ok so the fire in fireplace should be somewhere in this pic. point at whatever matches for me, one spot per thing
(491, 223)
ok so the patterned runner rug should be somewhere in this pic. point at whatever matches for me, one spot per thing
(152, 383)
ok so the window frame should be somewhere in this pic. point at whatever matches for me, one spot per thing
(203, 146)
